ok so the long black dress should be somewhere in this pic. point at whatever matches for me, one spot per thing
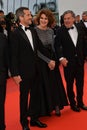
(52, 89)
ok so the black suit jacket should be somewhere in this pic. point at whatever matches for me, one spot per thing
(83, 29)
(24, 60)
(3, 59)
(65, 47)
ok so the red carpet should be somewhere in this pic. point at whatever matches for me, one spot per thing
(69, 120)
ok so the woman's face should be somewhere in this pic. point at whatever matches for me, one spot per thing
(43, 20)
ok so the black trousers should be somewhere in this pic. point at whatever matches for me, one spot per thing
(2, 105)
(29, 99)
(74, 72)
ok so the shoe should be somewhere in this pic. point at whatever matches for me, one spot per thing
(57, 111)
(38, 124)
(26, 128)
(83, 107)
(75, 108)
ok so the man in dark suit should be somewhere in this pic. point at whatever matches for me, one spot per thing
(70, 49)
(24, 44)
(83, 24)
(3, 78)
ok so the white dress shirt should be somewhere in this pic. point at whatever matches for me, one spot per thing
(73, 34)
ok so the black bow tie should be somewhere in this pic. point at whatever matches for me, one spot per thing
(70, 28)
(26, 28)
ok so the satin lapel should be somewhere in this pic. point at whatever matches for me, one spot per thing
(68, 36)
(83, 24)
(33, 37)
(78, 35)
(23, 34)
(84, 27)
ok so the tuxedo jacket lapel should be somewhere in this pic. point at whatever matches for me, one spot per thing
(33, 37)
(68, 36)
(79, 36)
(83, 25)
(22, 33)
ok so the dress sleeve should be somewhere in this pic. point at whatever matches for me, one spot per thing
(40, 55)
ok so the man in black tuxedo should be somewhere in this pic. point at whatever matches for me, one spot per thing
(70, 49)
(24, 44)
(83, 24)
(3, 78)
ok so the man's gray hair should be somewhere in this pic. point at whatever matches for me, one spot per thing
(20, 12)
(67, 12)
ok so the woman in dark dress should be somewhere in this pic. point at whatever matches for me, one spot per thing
(53, 96)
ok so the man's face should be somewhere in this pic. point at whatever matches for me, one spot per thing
(43, 20)
(26, 20)
(84, 17)
(77, 18)
(68, 20)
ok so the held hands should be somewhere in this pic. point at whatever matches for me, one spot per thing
(64, 62)
(51, 65)
(17, 79)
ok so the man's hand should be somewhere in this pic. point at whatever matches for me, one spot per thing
(64, 62)
(17, 79)
(51, 65)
